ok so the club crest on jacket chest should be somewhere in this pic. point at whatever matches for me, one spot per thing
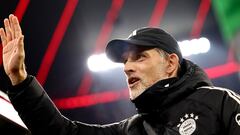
(187, 124)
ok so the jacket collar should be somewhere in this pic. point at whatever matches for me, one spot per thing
(168, 92)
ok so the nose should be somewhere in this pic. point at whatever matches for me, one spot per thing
(129, 67)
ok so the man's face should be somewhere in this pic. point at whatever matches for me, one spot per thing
(143, 67)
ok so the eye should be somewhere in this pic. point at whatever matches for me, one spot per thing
(140, 57)
(124, 61)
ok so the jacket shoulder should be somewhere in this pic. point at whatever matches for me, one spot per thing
(219, 98)
(221, 92)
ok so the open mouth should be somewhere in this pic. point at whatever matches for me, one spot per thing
(133, 81)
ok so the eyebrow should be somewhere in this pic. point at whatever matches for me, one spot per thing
(135, 49)
(135, 52)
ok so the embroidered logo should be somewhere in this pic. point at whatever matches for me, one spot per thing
(187, 124)
(134, 33)
(237, 118)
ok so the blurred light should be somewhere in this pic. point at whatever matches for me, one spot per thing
(8, 111)
(194, 46)
(100, 62)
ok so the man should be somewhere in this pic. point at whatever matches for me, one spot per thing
(172, 95)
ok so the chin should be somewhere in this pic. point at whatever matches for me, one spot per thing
(134, 93)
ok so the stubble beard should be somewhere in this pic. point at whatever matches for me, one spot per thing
(138, 89)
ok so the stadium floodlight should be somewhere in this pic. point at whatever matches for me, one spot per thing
(100, 62)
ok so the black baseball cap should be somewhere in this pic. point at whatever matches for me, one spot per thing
(148, 37)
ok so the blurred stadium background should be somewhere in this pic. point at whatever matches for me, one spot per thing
(60, 36)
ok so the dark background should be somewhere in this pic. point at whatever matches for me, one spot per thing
(61, 34)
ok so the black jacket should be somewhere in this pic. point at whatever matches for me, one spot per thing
(188, 105)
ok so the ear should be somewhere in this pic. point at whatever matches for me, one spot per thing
(173, 63)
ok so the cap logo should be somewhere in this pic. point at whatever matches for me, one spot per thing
(133, 33)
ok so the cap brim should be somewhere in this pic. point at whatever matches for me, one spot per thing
(117, 47)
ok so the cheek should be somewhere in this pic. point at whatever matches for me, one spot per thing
(147, 71)
(155, 73)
